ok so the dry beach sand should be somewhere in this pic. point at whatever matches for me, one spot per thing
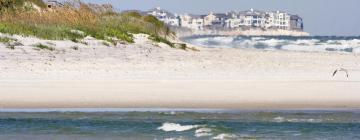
(150, 75)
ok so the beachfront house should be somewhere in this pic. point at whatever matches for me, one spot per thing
(234, 23)
(254, 18)
(232, 20)
(209, 19)
(278, 20)
(215, 20)
(165, 16)
(248, 19)
(192, 21)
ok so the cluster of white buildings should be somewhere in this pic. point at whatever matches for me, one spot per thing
(231, 20)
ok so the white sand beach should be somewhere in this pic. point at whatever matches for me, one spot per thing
(146, 74)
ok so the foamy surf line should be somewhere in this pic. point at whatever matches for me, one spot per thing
(199, 130)
(307, 44)
(204, 110)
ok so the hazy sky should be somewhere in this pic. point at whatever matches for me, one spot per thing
(321, 17)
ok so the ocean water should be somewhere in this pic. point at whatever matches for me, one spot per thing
(341, 44)
(169, 124)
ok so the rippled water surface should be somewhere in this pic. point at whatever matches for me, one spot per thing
(180, 124)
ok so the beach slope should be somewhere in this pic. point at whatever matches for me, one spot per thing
(148, 75)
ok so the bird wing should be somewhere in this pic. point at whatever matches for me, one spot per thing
(335, 72)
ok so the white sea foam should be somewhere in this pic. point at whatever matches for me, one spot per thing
(176, 127)
(279, 119)
(174, 138)
(300, 44)
(203, 132)
(224, 136)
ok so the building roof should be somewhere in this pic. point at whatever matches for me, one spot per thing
(196, 16)
(221, 15)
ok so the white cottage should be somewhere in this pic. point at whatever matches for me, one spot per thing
(278, 20)
(192, 21)
(245, 19)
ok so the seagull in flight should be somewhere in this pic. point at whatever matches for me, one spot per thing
(341, 69)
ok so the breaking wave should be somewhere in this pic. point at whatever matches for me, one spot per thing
(309, 44)
(224, 137)
(199, 131)
(203, 132)
(176, 127)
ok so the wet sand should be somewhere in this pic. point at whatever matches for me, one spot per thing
(180, 94)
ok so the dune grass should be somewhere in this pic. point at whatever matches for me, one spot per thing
(6, 39)
(161, 39)
(58, 23)
(9, 42)
(44, 47)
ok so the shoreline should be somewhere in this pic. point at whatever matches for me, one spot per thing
(188, 110)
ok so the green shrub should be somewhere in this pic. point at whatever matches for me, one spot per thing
(105, 44)
(42, 47)
(74, 40)
(6, 40)
(119, 34)
(183, 46)
(9, 42)
(162, 40)
(12, 47)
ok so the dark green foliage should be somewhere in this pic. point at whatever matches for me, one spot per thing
(183, 46)
(6, 40)
(9, 42)
(12, 47)
(111, 32)
(160, 39)
(42, 47)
